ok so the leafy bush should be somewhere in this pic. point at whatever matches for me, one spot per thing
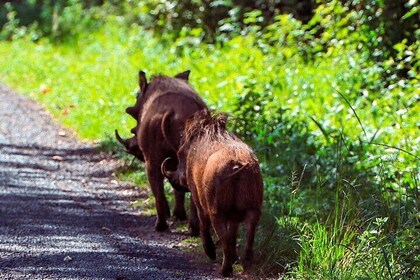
(60, 20)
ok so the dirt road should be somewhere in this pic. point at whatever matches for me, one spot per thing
(63, 215)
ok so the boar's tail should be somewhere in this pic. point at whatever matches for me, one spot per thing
(165, 127)
(237, 168)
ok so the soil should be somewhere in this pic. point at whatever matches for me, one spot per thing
(64, 215)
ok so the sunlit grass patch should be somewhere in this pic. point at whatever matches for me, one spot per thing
(193, 245)
(182, 227)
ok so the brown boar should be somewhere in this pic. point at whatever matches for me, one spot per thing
(225, 181)
(161, 109)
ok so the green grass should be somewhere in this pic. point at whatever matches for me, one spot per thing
(341, 161)
(97, 76)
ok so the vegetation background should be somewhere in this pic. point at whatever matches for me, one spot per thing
(326, 92)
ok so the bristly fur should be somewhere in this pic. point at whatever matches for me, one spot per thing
(207, 125)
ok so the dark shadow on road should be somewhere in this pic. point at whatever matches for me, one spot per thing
(65, 218)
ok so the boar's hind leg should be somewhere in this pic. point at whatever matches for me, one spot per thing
(156, 184)
(233, 234)
(205, 234)
(251, 221)
(229, 246)
(179, 209)
(194, 223)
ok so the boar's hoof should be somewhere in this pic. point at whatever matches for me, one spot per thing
(193, 230)
(210, 250)
(161, 225)
(194, 224)
(227, 271)
(247, 264)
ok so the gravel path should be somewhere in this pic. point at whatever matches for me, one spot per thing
(63, 215)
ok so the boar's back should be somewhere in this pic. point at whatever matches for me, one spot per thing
(163, 119)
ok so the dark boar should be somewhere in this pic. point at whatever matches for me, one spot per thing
(161, 109)
(225, 181)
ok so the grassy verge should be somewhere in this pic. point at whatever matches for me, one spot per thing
(341, 168)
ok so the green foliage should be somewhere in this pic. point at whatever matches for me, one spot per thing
(60, 20)
(218, 20)
(330, 109)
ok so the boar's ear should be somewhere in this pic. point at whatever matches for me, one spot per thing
(142, 81)
(132, 111)
(184, 75)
